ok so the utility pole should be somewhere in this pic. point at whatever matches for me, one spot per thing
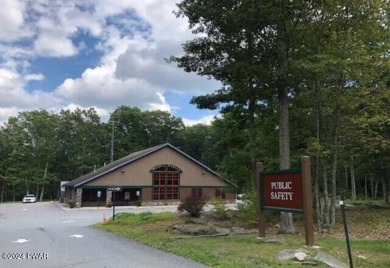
(112, 142)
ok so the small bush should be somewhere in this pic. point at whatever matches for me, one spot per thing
(219, 208)
(247, 210)
(192, 205)
(72, 203)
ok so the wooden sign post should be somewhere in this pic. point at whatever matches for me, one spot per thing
(289, 191)
(260, 210)
(307, 200)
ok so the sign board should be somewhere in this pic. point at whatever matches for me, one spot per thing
(114, 189)
(282, 191)
(286, 190)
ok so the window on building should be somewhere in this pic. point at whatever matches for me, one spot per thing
(220, 193)
(196, 193)
(166, 179)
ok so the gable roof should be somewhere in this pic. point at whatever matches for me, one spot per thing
(129, 159)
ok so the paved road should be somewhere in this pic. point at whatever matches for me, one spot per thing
(64, 238)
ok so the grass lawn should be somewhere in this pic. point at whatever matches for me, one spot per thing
(369, 231)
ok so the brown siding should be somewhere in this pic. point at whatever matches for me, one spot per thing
(138, 173)
(184, 193)
(207, 192)
(230, 197)
(119, 178)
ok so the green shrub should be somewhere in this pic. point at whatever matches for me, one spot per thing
(219, 208)
(192, 205)
(247, 210)
(72, 203)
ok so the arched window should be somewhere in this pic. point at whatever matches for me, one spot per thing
(166, 181)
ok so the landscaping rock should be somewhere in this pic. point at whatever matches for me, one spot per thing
(238, 230)
(205, 231)
(181, 229)
(223, 230)
(290, 254)
(300, 256)
(195, 230)
(329, 260)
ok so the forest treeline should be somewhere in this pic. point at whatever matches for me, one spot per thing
(38, 149)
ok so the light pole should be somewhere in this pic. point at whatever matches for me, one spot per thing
(82, 157)
(112, 141)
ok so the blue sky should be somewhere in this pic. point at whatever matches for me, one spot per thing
(60, 54)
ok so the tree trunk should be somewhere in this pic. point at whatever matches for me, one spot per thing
(385, 180)
(41, 195)
(317, 195)
(353, 181)
(287, 225)
(3, 185)
(13, 193)
(284, 137)
(384, 190)
(346, 177)
(2, 193)
(325, 210)
(252, 136)
(44, 181)
(317, 170)
(386, 186)
(387, 175)
(372, 186)
(365, 187)
(251, 110)
(334, 166)
(376, 189)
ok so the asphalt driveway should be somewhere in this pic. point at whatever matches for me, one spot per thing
(49, 235)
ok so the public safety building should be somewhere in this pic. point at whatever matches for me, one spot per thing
(159, 175)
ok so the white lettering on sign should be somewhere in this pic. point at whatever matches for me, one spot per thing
(281, 185)
(282, 195)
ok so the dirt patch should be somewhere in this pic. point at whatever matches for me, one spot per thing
(363, 222)
(368, 223)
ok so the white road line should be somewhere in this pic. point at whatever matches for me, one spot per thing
(20, 241)
(77, 236)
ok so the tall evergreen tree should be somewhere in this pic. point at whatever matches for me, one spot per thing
(256, 49)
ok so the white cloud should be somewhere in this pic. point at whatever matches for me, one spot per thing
(147, 61)
(34, 77)
(103, 113)
(54, 45)
(98, 87)
(133, 70)
(6, 113)
(12, 21)
(206, 120)
(162, 105)
(133, 37)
